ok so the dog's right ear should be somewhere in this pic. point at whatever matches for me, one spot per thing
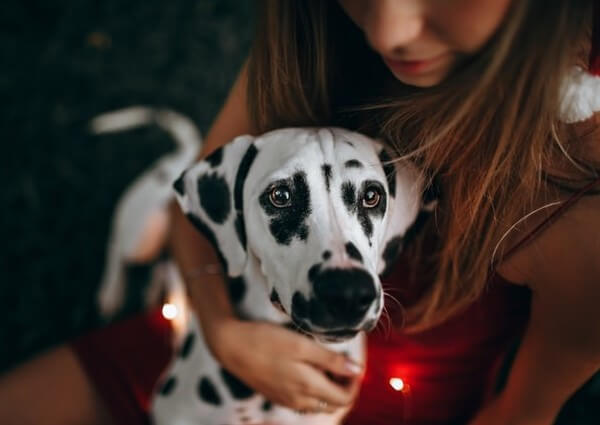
(210, 193)
(411, 202)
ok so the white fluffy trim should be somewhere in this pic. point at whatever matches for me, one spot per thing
(580, 95)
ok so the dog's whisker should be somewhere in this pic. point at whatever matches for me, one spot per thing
(400, 306)
(391, 288)
(388, 324)
(398, 303)
(393, 298)
(384, 324)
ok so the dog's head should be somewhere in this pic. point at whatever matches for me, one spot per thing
(321, 212)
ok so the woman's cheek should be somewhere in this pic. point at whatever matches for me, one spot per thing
(467, 25)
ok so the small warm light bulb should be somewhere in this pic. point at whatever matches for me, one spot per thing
(397, 384)
(169, 311)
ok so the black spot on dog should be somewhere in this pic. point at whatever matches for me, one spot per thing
(366, 224)
(168, 386)
(240, 229)
(238, 192)
(353, 163)
(208, 392)
(179, 184)
(242, 174)
(208, 234)
(299, 306)
(275, 300)
(349, 142)
(416, 227)
(326, 168)
(326, 255)
(186, 347)
(303, 233)
(390, 171)
(289, 222)
(353, 252)
(215, 197)
(237, 388)
(390, 253)
(215, 158)
(236, 287)
(313, 272)
(275, 296)
(266, 406)
(349, 195)
(432, 192)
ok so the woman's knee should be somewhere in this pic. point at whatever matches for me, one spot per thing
(50, 389)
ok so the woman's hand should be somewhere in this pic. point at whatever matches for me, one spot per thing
(287, 368)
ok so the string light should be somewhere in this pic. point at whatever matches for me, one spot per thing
(170, 311)
(397, 384)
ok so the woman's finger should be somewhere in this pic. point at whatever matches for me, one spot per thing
(312, 405)
(316, 384)
(330, 361)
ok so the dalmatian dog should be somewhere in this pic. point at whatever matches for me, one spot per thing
(305, 220)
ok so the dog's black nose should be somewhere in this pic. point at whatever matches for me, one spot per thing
(343, 295)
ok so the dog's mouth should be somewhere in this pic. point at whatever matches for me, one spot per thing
(337, 335)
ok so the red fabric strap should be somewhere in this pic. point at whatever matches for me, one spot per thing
(594, 60)
(550, 219)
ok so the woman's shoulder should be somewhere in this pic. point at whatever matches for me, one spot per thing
(568, 249)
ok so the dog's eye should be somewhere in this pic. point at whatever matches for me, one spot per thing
(371, 197)
(280, 196)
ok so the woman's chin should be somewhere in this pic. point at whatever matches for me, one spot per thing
(422, 81)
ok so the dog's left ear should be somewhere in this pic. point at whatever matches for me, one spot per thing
(409, 206)
(210, 194)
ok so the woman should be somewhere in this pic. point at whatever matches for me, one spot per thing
(470, 89)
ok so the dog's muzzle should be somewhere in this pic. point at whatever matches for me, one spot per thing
(341, 299)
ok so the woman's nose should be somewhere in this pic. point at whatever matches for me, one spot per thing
(391, 25)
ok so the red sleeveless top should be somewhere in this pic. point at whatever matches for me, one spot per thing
(442, 375)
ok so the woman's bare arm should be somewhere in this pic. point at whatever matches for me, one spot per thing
(285, 367)
(561, 347)
(190, 249)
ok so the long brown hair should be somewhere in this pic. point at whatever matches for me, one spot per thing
(489, 132)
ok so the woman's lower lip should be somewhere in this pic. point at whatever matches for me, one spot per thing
(412, 67)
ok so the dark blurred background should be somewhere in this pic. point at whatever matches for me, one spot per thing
(63, 62)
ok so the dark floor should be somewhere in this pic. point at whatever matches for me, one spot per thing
(62, 63)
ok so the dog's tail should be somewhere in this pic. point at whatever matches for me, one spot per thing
(146, 198)
(183, 130)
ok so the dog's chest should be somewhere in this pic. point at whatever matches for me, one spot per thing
(197, 390)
